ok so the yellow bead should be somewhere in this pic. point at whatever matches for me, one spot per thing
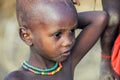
(42, 73)
(58, 69)
(53, 72)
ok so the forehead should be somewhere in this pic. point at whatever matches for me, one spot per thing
(58, 12)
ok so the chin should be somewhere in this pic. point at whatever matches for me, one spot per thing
(61, 59)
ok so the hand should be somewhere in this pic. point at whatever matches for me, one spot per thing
(106, 70)
(77, 2)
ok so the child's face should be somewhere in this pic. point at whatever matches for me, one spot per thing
(54, 38)
(55, 41)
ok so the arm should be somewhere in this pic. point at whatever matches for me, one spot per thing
(107, 39)
(95, 23)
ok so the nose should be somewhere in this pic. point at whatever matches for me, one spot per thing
(67, 42)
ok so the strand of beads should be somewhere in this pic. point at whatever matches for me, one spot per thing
(50, 71)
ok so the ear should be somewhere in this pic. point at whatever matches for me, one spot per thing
(26, 35)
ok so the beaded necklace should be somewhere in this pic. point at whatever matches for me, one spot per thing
(48, 72)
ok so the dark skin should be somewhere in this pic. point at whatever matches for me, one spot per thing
(36, 30)
(112, 7)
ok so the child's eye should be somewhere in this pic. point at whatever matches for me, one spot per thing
(73, 31)
(58, 34)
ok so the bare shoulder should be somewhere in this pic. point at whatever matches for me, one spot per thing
(16, 75)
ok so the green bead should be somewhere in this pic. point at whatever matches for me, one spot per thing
(37, 69)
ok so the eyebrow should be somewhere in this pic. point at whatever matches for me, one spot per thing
(61, 30)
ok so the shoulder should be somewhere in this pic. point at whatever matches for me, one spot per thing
(16, 75)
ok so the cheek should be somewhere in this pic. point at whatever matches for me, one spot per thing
(49, 46)
(74, 38)
(52, 45)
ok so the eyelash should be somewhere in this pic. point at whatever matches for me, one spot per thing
(73, 30)
(58, 34)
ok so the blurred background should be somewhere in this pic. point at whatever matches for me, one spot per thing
(13, 51)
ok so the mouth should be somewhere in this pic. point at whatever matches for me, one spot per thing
(66, 53)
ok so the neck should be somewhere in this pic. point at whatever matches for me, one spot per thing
(39, 61)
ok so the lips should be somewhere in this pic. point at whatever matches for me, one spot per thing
(66, 53)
